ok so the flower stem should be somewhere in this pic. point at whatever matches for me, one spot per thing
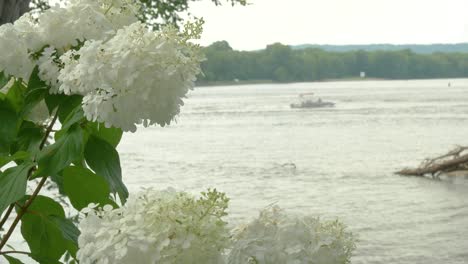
(14, 252)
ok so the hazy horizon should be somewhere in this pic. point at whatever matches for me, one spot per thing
(351, 44)
(333, 22)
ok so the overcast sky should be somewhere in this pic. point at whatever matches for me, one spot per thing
(334, 22)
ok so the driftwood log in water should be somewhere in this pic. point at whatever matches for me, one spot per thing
(454, 161)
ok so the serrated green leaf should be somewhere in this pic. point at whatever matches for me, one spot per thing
(62, 153)
(12, 260)
(83, 187)
(104, 160)
(44, 238)
(13, 183)
(110, 134)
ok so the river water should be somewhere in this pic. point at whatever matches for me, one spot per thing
(243, 140)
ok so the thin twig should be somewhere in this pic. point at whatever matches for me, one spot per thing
(7, 215)
(15, 252)
(49, 129)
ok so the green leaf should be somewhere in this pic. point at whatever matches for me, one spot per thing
(75, 116)
(54, 100)
(112, 134)
(58, 179)
(20, 155)
(65, 103)
(35, 82)
(62, 153)
(105, 161)
(4, 79)
(8, 128)
(69, 104)
(12, 260)
(69, 232)
(35, 91)
(44, 260)
(83, 187)
(44, 238)
(29, 138)
(15, 96)
(45, 206)
(13, 183)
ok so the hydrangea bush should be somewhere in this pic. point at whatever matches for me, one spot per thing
(72, 80)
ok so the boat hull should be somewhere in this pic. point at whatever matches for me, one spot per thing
(313, 105)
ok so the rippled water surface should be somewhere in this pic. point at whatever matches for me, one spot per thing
(332, 162)
(243, 140)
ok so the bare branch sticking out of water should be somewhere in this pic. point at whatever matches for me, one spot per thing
(453, 163)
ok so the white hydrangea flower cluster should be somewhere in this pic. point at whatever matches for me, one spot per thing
(15, 58)
(82, 20)
(276, 237)
(49, 70)
(128, 74)
(164, 227)
(137, 77)
(61, 28)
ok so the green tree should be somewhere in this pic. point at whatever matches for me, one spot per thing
(154, 12)
(281, 63)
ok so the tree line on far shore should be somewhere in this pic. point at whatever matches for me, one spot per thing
(281, 63)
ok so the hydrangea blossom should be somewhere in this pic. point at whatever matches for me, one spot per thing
(16, 61)
(137, 77)
(82, 20)
(275, 237)
(156, 227)
(49, 69)
(28, 31)
(128, 74)
(89, 19)
(62, 28)
(20, 39)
